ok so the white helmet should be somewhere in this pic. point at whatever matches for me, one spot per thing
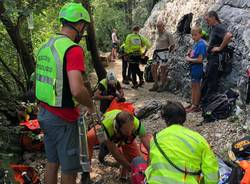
(111, 78)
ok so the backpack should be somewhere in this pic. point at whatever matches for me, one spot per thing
(241, 148)
(147, 72)
(236, 175)
(219, 106)
(183, 26)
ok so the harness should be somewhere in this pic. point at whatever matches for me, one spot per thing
(169, 161)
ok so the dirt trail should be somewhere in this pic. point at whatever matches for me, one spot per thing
(219, 134)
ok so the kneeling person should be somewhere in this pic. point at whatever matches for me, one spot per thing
(178, 154)
(121, 128)
(109, 89)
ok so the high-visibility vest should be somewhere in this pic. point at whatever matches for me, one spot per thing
(104, 82)
(135, 43)
(50, 79)
(188, 150)
(108, 123)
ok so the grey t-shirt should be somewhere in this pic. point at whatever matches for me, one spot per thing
(216, 36)
(164, 40)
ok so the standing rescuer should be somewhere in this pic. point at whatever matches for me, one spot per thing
(178, 154)
(59, 86)
(134, 44)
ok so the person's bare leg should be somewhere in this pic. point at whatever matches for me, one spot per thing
(112, 54)
(193, 94)
(163, 76)
(115, 53)
(69, 178)
(197, 94)
(51, 173)
(154, 68)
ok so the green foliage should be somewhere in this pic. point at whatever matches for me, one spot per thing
(106, 17)
(109, 14)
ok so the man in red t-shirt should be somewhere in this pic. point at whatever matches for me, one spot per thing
(59, 85)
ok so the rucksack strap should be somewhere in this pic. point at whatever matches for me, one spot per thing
(169, 161)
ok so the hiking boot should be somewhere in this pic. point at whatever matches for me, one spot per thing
(103, 152)
(141, 83)
(135, 86)
(154, 88)
(125, 81)
(161, 89)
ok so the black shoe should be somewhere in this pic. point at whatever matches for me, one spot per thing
(125, 81)
(103, 152)
(135, 86)
(141, 83)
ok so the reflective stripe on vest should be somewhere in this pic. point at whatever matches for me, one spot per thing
(186, 149)
(49, 70)
(165, 180)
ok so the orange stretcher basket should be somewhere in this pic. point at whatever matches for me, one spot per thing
(31, 173)
(124, 106)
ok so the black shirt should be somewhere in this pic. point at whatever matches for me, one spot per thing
(216, 36)
(111, 91)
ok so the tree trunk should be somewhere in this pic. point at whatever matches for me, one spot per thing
(18, 82)
(5, 83)
(91, 39)
(129, 13)
(13, 31)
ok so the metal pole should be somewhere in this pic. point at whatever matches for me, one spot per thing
(84, 155)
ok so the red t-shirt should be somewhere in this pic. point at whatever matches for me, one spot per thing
(74, 61)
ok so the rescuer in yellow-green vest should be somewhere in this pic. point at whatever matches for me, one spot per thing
(59, 86)
(179, 155)
(134, 46)
(120, 129)
(108, 90)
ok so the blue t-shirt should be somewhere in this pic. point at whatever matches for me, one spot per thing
(200, 48)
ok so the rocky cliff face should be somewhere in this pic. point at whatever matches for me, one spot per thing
(234, 13)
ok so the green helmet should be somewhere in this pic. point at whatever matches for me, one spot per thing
(74, 12)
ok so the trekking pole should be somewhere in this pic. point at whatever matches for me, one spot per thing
(84, 155)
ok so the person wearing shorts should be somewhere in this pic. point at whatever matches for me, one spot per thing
(195, 59)
(59, 86)
(115, 42)
(164, 44)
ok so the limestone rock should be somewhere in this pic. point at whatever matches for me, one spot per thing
(234, 13)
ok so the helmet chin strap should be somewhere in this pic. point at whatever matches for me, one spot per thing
(78, 36)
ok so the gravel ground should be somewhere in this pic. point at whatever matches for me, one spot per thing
(219, 134)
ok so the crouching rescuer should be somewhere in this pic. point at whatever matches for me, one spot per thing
(178, 154)
(59, 87)
(108, 90)
(118, 131)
